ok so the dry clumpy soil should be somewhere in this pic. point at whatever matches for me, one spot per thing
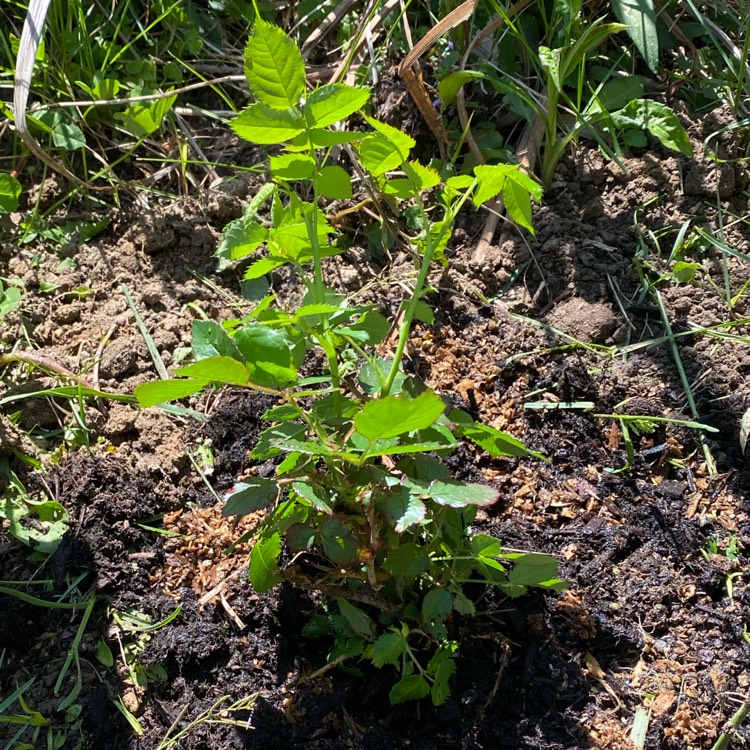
(648, 623)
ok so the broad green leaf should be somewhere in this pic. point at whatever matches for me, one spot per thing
(379, 155)
(396, 415)
(527, 182)
(495, 442)
(293, 166)
(518, 204)
(39, 525)
(209, 339)
(314, 495)
(360, 622)
(141, 120)
(240, 238)
(459, 494)
(403, 142)
(10, 190)
(684, 272)
(436, 605)
(216, 370)
(334, 182)
(258, 123)
(300, 536)
(339, 544)
(402, 508)
(449, 86)
(263, 266)
(334, 102)
(659, 119)
(274, 67)
(267, 355)
(400, 188)
(249, 495)
(424, 313)
(490, 181)
(162, 391)
(410, 688)
(388, 649)
(441, 688)
(422, 177)
(370, 329)
(533, 568)
(615, 94)
(264, 563)
(485, 545)
(463, 605)
(407, 561)
(640, 18)
(460, 181)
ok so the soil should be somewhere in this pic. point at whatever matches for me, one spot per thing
(655, 617)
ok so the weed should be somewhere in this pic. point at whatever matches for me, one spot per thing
(361, 496)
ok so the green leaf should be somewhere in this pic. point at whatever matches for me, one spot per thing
(484, 545)
(162, 391)
(449, 86)
(533, 568)
(436, 605)
(550, 60)
(104, 653)
(457, 494)
(240, 238)
(315, 495)
(407, 561)
(518, 204)
(379, 155)
(441, 688)
(334, 182)
(265, 448)
(334, 102)
(403, 509)
(267, 355)
(409, 688)
(264, 563)
(615, 94)
(388, 649)
(370, 329)
(402, 142)
(10, 190)
(292, 166)
(211, 340)
(263, 266)
(216, 370)
(684, 272)
(640, 18)
(421, 177)
(396, 415)
(495, 442)
(274, 67)
(249, 495)
(360, 621)
(260, 124)
(490, 181)
(423, 312)
(339, 544)
(659, 120)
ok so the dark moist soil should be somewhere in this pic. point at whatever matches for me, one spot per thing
(647, 623)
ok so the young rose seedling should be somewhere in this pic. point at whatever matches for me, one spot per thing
(360, 497)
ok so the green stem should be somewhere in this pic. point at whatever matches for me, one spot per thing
(432, 242)
(734, 725)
